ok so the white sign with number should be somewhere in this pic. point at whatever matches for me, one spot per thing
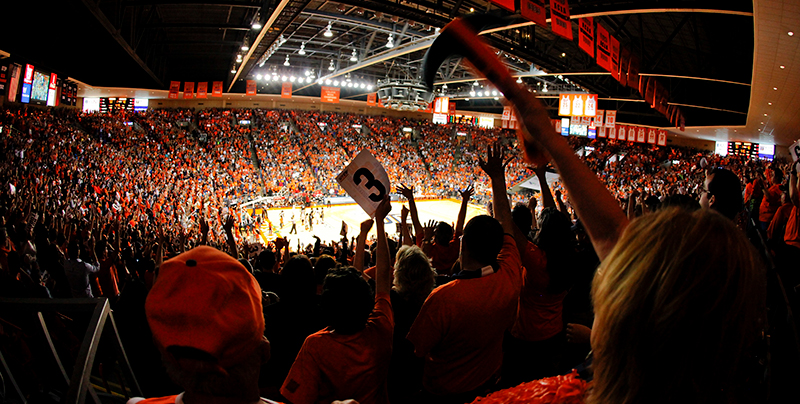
(365, 181)
(794, 150)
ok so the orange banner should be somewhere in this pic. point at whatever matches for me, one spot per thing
(641, 135)
(624, 62)
(188, 89)
(216, 90)
(559, 19)
(202, 89)
(174, 87)
(441, 105)
(506, 4)
(651, 136)
(330, 94)
(371, 98)
(633, 72)
(614, 56)
(603, 48)
(286, 90)
(586, 35)
(251, 87)
(662, 138)
(533, 10)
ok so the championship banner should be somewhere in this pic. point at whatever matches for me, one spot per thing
(559, 19)
(586, 120)
(612, 133)
(251, 87)
(600, 118)
(188, 89)
(286, 90)
(631, 133)
(662, 138)
(651, 136)
(601, 131)
(614, 57)
(507, 113)
(441, 105)
(365, 180)
(216, 89)
(371, 98)
(452, 108)
(621, 132)
(624, 61)
(633, 72)
(641, 135)
(330, 94)
(202, 89)
(174, 87)
(611, 119)
(586, 35)
(603, 48)
(533, 10)
(506, 4)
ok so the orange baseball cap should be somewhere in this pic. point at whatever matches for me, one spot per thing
(205, 299)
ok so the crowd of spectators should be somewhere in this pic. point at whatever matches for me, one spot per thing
(91, 205)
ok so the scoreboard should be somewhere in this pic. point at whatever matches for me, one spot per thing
(116, 104)
(745, 149)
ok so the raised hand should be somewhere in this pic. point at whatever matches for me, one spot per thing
(467, 193)
(228, 225)
(367, 224)
(383, 210)
(493, 166)
(203, 226)
(404, 212)
(429, 229)
(407, 192)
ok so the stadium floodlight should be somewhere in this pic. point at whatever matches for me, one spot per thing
(286, 62)
(302, 50)
(293, 79)
(259, 77)
(284, 78)
(328, 82)
(328, 33)
(472, 93)
(331, 67)
(390, 43)
(370, 87)
(336, 82)
(354, 56)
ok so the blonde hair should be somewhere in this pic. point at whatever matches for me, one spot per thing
(678, 303)
(414, 278)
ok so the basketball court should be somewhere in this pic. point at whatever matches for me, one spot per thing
(328, 227)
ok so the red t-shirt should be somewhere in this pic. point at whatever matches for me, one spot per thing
(459, 330)
(443, 257)
(792, 235)
(333, 366)
(538, 313)
(770, 203)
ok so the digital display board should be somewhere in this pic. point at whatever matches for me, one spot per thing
(140, 104)
(766, 151)
(41, 83)
(69, 93)
(91, 104)
(52, 87)
(116, 104)
(721, 148)
(745, 149)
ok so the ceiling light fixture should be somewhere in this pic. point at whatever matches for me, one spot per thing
(390, 43)
(286, 62)
(331, 68)
(519, 79)
(775, 88)
(259, 77)
(791, 33)
(475, 83)
(769, 103)
(233, 69)
(370, 87)
(472, 93)
(544, 89)
(336, 82)
(302, 50)
(354, 56)
(444, 87)
(783, 67)
(466, 99)
(328, 33)
(256, 25)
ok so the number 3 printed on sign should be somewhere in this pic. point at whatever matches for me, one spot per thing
(371, 183)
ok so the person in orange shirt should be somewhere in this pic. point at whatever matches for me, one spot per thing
(440, 244)
(792, 234)
(350, 358)
(459, 330)
(772, 199)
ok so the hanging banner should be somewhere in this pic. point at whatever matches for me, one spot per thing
(682, 123)
(506, 4)
(612, 133)
(202, 89)
(603, 48)
(251, 87)
(559, 19)
(188, 89)
(651, 136)
(633, 73)
(662, 138)
(556, 125)
(600, 118)
(624, 61)
(365, 180)
(216, 90)
(286, 90)
(631, 133)
(586, 35)
(371, 98)
(174, 88)
(601, 131)
(641, 135)
(621, 132)
(533, 10)
(506, 113)
(614, 56)
(441, 105)
(452, 107)
(586, 120)
(330, 94)
(577, 104)
(650, 90)
(611, 118)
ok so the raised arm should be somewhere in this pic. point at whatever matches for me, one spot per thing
(383, 283)
(228, 226)
(404, 232)
(462, 213)
(547, 196)
(408, 193)
(494, 167)
(794, 184)
(361, 244)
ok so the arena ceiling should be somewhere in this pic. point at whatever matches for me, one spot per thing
(719, 60)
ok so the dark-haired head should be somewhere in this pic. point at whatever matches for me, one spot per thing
(347, 300)
(482, 239)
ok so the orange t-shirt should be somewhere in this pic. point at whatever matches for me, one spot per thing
(792, 235)
(538, 313)
(459, 330)
(443, 257)
(779, 221)
(333, 366)
(770, 203)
